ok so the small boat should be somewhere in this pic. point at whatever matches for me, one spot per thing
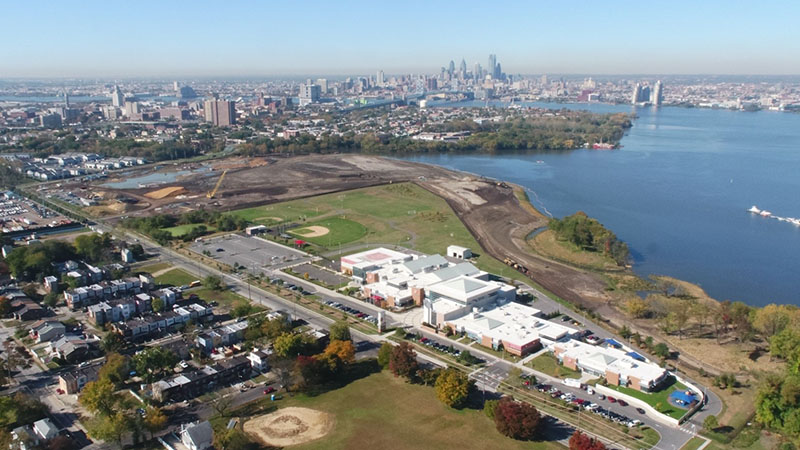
(754, 209)
(539, 162)
(765, 213)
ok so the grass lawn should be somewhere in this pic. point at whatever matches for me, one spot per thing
(175, 277)
(342, 231)
(383, 412)
(225, 298)
(548, 245)
(660, 396)
(180, 230)
(548, 364)
(401, 214)
(693, 444)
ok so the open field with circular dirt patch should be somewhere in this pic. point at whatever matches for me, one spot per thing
(312, 231)
(290, 426)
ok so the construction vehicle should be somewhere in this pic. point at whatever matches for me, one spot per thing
(213, 192)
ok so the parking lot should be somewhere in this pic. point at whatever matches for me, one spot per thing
(249, 252)
(317, 273)
(353, 312)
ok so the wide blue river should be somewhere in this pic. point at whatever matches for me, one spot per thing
(678, 193)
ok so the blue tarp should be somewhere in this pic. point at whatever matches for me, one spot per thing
(636, 356)
(613, 343)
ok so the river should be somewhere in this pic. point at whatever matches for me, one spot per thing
(677, 192)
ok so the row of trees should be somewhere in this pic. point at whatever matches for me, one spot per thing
(589, 234)
(153, 226)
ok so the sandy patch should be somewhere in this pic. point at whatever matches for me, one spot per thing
(290, 426)
(313, 231)
(165, 192)
(274, 219)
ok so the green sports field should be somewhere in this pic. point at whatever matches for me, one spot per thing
(341, 231)
(180, 230)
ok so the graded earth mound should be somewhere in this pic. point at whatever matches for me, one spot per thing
(290, 426)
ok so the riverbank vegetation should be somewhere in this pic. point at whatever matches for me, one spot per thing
(590, 235)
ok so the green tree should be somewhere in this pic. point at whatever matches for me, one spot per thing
(771, 319)
(452, 388)
(288, 345)
(385, 354)
(340, 332)
(99, 396)
(115, 369)
(111, 427)
(155, 420)
(213, 282)
(157, 304)
(151, 362)
(661, 350)
(112, 342)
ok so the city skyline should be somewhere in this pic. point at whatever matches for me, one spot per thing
(147, 39)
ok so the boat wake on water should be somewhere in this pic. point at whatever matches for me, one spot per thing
(764, 213)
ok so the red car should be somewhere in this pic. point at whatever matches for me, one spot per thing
(622, 402)
(611, 399)
(269, 390)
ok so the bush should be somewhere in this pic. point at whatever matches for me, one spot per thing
(403, 361)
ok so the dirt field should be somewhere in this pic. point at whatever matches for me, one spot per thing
(312, 231)
(290, 426)
(165, 192)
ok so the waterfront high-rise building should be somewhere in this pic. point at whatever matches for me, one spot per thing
(658, 94)
(637, 93)
(117, 99)
(492, 64)
(221, 113)
(462, 68)
(379, 80)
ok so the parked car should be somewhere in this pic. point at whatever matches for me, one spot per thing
(640, 410)
(612, 399)
(269, 390)
(621, 402)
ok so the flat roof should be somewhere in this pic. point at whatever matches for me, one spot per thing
(601, 359)
(375, 256)
(512, 322)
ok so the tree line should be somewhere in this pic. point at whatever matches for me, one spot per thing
(542, 133)
(589, 234)
(153, 226)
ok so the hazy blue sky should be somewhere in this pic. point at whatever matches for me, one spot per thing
(199, 38)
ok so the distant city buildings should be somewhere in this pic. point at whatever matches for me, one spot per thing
(643, 94)
(117, 99)
(309, 93)
(221, 113)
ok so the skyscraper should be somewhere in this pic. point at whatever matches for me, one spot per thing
(309, 93)
(477, 72)
(462, 68)
(658, 94)
(117, 99)
(380, 79)
(221, 113)
(452, 68)
(637, 93)
(492, 64)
